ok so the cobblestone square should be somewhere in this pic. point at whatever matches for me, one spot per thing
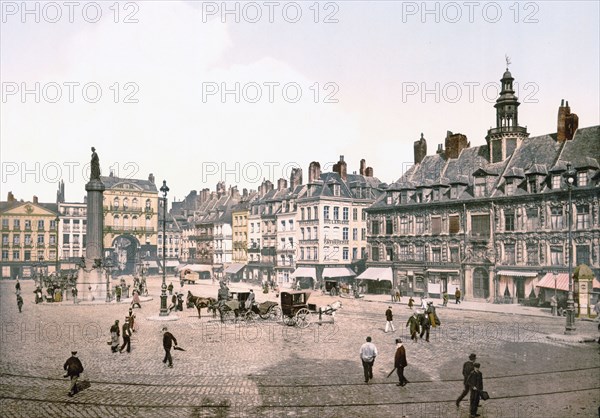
(267, 369)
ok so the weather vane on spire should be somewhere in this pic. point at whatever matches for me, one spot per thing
(507, 61)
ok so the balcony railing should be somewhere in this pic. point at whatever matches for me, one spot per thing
(336, 242)
(132, 229)
(309, 241)
(337, 221)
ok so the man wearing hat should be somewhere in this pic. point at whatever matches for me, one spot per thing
(413, 321)
(400, 362)
(74, 368)
(168, 340)
(467, 369)
(114, 336)
(126, 336)
(389, 318)
(475, 382)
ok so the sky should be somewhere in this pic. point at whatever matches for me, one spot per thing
(201, 92)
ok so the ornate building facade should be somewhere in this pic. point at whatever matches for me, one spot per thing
(492, 220)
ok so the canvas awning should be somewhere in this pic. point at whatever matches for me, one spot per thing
(197, 267)
(172, 263)
(517, 273)
(234, 268)
(152, 264)
(449, 271)
(304, 272)
(376, 273)
(338, 272)
(562, 281)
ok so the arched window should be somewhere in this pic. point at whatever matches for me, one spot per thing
(125, 203)
(134, 203)
(116, 202)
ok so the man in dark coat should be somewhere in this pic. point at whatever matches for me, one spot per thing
(168, 341)
(466, 371)
(457, 295)
(19, 302)
(425, 325)
(114, 336)
(413, 321)
(74, 368)
(389, 317)
(126, 336)
(475, 382)
(400, 362)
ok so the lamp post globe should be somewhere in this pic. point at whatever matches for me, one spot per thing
(569, 177)
(163, 289)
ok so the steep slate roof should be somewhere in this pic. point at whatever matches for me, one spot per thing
(536, 155)
(112, 181)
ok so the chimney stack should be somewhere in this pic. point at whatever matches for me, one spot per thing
(314, 172)
(455, 143)
(363, 166)
(440, 149)
(341, 168)
(369, 172)
(420, 149)
(295, 177)
(11, 197)
(281, 184)
(35, 199)
(151, 178)
(567, 123)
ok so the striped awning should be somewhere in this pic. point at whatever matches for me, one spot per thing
(517, 273)
(234, 268)
(377, 273)
(338, 272)
(562, 281)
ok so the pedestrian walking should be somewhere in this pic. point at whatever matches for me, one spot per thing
(400, 362)
(170, 288)
(168, 341)
(398, 295)
(466, 371)
(74, 368)
(18, 287)
(476, 386)
(173, 304)
(114, 336)
(19, 302)
(118, 292)
(136, 300)
(413, 321)
(457, 295)
(180, 301)
(389, 317)
(368, 353)
(411, 302)
(425, 326)
(74, 294)
(445, 299)
(126, 336)
(131, 320)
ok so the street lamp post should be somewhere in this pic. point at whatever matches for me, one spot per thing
(56, 242)
(107, 267)
(163, 294)
(569, 177)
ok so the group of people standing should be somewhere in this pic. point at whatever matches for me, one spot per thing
(127, 329)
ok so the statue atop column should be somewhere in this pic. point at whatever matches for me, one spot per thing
(95, 166)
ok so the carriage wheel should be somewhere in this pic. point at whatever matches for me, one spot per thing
(249, 316)
(302, 318)
(228, 316)
(274, 313)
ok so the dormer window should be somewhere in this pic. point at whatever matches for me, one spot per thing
(419, 196)
(436, 194)
(510, 187)
(582, 179)
(556, 182)
(336, 189)
(454, 191)
(403, 197)
(479, 188)
(532, 185)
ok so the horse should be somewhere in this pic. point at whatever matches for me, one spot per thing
(201, 302)
(331, 308)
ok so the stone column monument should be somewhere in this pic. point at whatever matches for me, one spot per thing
(91, 283)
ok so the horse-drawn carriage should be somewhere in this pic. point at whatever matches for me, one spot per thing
(297, 311)
(236, 308)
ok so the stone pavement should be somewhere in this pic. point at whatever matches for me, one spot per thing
(268, 369)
